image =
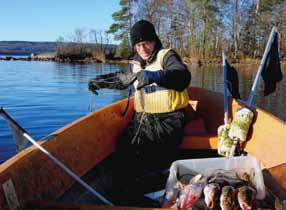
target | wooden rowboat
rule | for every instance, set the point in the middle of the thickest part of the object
(85, 145)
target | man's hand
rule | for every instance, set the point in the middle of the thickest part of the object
(93, 87)
(120, 81)
(145, 77)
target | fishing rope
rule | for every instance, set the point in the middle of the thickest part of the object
(138, 129)
(128, 101)
(90, 102)
(141, 99)
(105, 80)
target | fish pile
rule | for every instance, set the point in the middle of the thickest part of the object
(222, 189)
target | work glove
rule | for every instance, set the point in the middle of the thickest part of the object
(145, 77)
(101, 81)
(115, 80)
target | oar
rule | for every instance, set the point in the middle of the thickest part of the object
(243, 117)
(9, 119)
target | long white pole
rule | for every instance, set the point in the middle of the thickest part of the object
(258, 74)
(55, 160)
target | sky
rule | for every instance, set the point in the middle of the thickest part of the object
(47, 20)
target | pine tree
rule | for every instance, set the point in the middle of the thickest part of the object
(121, 28)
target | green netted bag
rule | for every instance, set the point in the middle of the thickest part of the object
(224, 141)
(240, 124)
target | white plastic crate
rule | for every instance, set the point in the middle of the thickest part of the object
(207, 166)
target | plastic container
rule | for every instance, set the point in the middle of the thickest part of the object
(207, 166)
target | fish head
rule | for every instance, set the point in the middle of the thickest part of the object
(187, 202)
(246, 196)
(227, 197)
(191, 192)
(245, 206)
(211, 194)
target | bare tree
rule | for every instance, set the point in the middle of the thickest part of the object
(235, 28)
(100, 42)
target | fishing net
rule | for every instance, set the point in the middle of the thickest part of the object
(231, 135)
(224, 141)
(115, 80)
(240, 125)
(147, 134)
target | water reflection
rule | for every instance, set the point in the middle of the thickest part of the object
(44, 96)
(211, 77)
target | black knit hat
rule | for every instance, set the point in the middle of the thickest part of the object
(143, 31)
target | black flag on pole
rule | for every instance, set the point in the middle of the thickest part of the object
(17, 131)
(232, 80)
(271, 71)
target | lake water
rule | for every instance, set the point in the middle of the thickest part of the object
(44, 96)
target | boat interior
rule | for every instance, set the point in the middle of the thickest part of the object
(87, 147)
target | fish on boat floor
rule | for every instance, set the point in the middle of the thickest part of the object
(107, 179)
(128, 191)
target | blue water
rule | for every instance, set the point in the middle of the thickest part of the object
(44, 96)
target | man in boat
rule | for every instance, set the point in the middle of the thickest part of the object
(160, 97)
(157, 127)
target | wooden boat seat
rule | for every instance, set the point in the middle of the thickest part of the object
(202, 141)
(196, 134)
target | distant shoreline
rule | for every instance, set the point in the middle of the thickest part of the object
(51, 57)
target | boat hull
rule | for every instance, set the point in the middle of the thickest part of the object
(84, 143)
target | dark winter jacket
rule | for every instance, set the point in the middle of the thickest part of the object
(176, 75)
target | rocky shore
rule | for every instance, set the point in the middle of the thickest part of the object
(32, 57)
(52, 57)
(56, 59)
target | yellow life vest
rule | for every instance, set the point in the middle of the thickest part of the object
(156, 99)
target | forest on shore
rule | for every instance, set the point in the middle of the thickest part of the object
(197, 29)
(201, 29)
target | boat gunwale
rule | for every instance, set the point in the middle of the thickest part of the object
(209, 97)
